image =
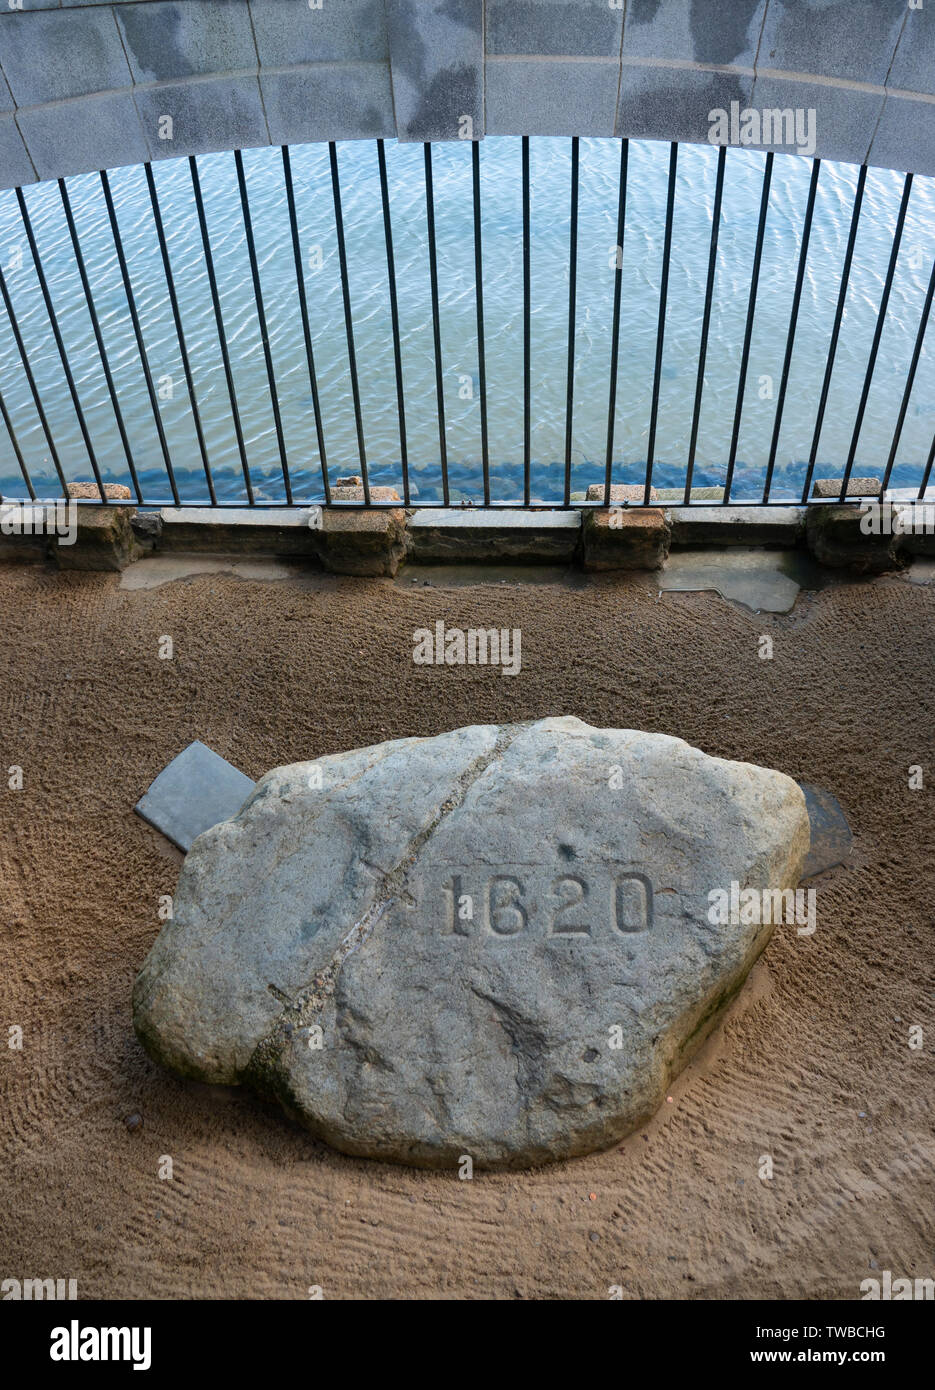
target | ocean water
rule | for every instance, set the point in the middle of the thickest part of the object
(500, 160)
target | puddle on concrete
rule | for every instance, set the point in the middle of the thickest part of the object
(766, 581)
(921, 572)
(163, 569)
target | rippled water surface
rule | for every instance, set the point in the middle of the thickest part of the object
(502, 250)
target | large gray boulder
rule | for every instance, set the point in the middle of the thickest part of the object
(497, 942)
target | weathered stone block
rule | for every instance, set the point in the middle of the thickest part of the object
(556, 27)
(834, 536)
(16, 167)
(339, 101)
(845, 117)
(48, 55)
(854, 41)
(215, 114)
(105, 541)
(197, 790)
(437, 62)
(287, 33)
(704, 31)
(733, 525)
(351, 489)
(185, 38)
(892, 149)
(856, 487)
(624, 539)
(115, 492)
(361, 542)
(92, 132)
(674, 103)
(621, 492)
(504, 941)
(555, 97)
(913, 67)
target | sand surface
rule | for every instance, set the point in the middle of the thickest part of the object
(812, 1066)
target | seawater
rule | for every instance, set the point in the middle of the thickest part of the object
(500, 160)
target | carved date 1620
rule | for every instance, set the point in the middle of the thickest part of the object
(536, 898)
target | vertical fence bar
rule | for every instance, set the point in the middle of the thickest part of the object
(179, 330)
(264, 331)
(835, 330)
(572, 297)
(661, 325)
(138, 332)
(31, 380)
(527, 314)
(793, 320)
(394, 315)
(615, 330)
(16, 449)
(928, 471)
(59, 342)
(348, 321)
(748, 329)
(303, 308)
(219, 320)
(479, 294)
(877, 334)
(436, 328)
(705, 320)
(916, 354)
(99, 337)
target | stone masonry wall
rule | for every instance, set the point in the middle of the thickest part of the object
(87, 84)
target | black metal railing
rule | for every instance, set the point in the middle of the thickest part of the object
(155, 494)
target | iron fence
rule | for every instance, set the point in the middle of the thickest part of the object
(155, 496)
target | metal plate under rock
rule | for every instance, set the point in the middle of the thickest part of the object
(196, 790)
(831, 835)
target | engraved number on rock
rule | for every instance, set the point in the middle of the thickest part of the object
(633, 903)
(455, 893)
(572, 891)
(508, 901)
(505, 912)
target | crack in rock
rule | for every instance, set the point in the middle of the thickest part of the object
(307, 1006)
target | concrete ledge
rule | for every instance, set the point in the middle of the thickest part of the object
(737, 525)
(21, 546)
(491, 533)
(255, 530)
(354, 540)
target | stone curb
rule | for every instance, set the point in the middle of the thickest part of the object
(347, 539)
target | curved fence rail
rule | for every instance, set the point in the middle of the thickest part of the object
(125, 341)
